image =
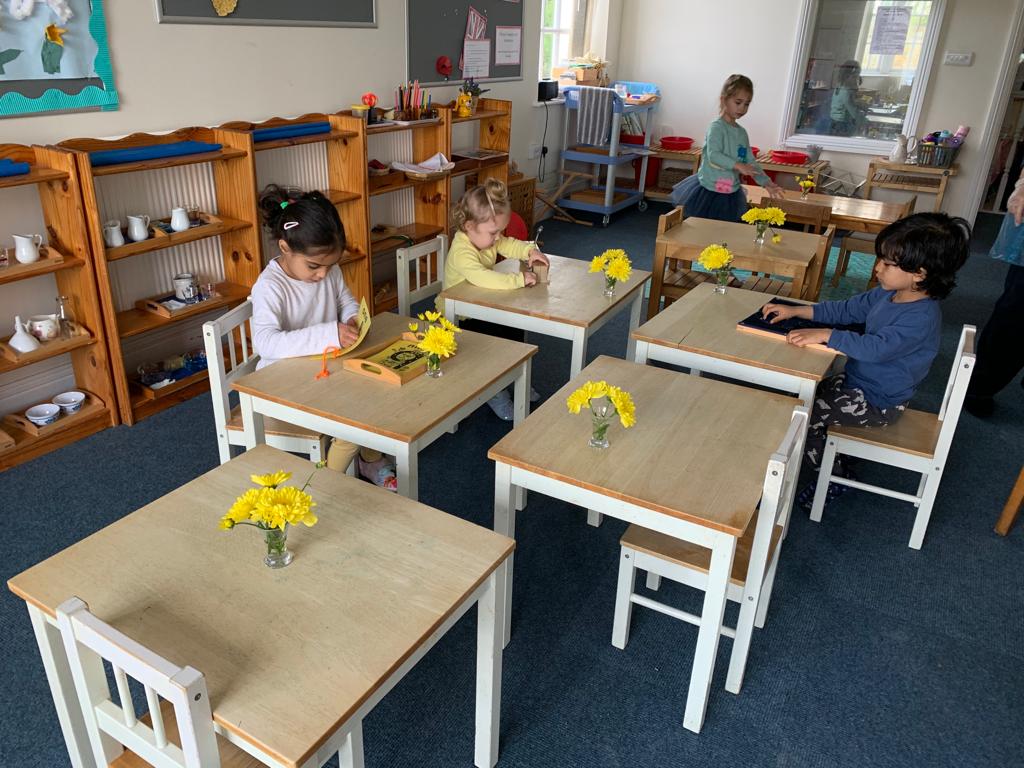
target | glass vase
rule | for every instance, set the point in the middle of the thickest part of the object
(278, 555)
(722, 279)
(602, 412)
(804, 192)
(762, 227)
(609, 286)
(434, 366)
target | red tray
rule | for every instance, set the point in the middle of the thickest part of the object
(789, 158)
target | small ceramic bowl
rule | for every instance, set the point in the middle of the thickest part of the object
(43, 414)
(69, 402)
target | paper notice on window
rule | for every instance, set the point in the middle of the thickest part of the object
(508, 42)
(476, 58)
(891, 25)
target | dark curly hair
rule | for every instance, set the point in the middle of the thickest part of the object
(307, 221)
(934, 242)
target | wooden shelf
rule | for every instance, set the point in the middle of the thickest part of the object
(311, 138)
(27, 446)
(482, 114)
(400, 237)
(403, 184)
(160, 240)
(338, 197)
(143, 406)
(132, 322)
(10, 360)
(34, 176)
(375, 129)
(19, 271)
(225, 153)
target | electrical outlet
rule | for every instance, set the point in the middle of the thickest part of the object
(958, 59)
(534, 151)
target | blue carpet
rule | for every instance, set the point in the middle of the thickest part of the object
(873, 654)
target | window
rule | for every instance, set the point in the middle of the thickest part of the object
(564, 32)
(862, 68)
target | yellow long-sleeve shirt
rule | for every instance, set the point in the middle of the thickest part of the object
(466, 262)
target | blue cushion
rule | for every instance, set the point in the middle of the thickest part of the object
(153, 152)
(290, 131)
(10, 168)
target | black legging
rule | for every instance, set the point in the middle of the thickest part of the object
(1000, 349)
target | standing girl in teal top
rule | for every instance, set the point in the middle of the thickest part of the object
(714, 192)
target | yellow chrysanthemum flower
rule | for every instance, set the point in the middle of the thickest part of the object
(775, 216)
(776, 238)
(414, 327)
(598, 263)
(271, 480)
(581, 397)
(753, 215)
(448, 325)
(438, 341)
(624, 406)
(279, 506)
(432, 317)
(619, 269)
(714, 257)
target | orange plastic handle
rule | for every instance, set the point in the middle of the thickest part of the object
(333, 352)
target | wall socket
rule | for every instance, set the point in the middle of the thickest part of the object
(958, 59)
(534, 151)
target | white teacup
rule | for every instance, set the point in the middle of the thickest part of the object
(26, 248)
(185, 287)
(138, 227)
(44, 327)
(112, 234)
(179, 220)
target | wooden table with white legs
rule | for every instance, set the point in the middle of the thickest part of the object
(397, 420)
(692, 467)
(294, 659)
(698, 331)
(571, 306)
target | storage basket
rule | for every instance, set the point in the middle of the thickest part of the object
(669, 177)
(936, 155)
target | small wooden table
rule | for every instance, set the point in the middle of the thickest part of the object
(791, 258)
(571, 306)
(870, 216)
(699, 332)
(397, 420)
(692, 467)
(909, 177)
(294, 659)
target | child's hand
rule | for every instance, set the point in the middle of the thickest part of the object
(745, 168)
(806, 336)
(536, 257)
(347, 333)
(774, 191)
(776, 312)
(529, 278)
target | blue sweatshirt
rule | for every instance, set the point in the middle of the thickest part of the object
(891, 358)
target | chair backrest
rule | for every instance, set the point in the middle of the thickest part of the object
(517, 227)
(815, 217)
(908, 207)
(670, 220)
(88, 641)
(229, 355)
(420, 271)
(956, 389)
(816, 270)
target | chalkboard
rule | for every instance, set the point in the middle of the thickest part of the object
(293, 13)
(439, 28)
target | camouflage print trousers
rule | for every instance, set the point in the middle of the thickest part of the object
(834, 403)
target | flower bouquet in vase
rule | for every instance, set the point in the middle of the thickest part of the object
(717, 260)
(764, 219)
(605, 402)
(616, 267)
(806, 184)
(437, 339)
(272, 507)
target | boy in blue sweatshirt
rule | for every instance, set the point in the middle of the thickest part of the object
(918, 258)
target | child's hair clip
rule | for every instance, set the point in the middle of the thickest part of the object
(285, 204)
(290, 225)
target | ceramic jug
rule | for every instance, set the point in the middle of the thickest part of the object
(26, 248)
(138, 227)
(22, 340)
(903, 148)
(44, 327)
(179, 220)
(112, 235)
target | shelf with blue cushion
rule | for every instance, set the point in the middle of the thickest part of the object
(32, 175)
(148, 157)
(272, 136)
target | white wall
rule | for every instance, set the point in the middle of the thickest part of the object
(680, 45)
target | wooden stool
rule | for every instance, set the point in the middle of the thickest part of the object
(1013, 505)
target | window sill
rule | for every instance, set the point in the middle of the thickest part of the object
(556, 102)
(840, 144)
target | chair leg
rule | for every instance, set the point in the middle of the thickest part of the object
(766, 594)
(741, 643)
(924, 509)
(1013, 506)
(842, 261)
(623, 592)
(824, 476)
(653, 581)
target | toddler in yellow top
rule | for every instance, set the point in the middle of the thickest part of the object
(480, 217)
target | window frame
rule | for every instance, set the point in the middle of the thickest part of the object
(560, 32)
(794, 92)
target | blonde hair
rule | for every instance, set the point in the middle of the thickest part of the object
(733, 85)
(480, 204)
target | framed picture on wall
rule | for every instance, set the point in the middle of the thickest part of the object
(293, 13)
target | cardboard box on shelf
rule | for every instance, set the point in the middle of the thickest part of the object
(577, 75)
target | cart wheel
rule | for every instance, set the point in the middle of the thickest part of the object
(605, 219)
(641, 206)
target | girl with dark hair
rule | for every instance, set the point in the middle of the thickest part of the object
(300, 303)
(918, 260)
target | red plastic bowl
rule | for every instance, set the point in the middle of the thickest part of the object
(789, 158)
(678, 143)
(756, 151)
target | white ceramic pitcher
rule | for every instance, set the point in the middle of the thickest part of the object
(26, 248)
(902, 149)
(22, 340)
(138, 227)
(179, 220)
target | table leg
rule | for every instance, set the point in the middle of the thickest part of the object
(490, 614)
(62, 688)
(798, 284)
(505, 524)
(641, 352)
(449, 310)
(252, 422)
(634, 323)
(579, 351)
(351, 753)
(407, 463)
(594, 518)
(722, 550)
(806, 391)
(657, 278)
(520, 410)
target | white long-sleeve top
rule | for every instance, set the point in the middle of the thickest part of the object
(292, 318)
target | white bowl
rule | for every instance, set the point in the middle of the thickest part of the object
(43, 414)
(70, 402)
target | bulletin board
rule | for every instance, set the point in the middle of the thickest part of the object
(54, 57)
(279, 13)
(439, 29)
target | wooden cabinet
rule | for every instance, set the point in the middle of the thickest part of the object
(225, 251)
(885, 174)
(69, 259)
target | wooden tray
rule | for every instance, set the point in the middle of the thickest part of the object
(386, 180)
(426, 176)
(46, 348)
(6, 441)
(154, 305)
(48, 259)
(90, 407)
(155, 394)
(378, 363)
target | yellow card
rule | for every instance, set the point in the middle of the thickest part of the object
(362, 324)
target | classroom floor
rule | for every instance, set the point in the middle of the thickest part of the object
(873, 654)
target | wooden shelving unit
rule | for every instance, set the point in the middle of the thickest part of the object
(54, 175)
(494, 117)
(235, 222)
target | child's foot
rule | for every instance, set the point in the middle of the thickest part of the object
(502, 405)
(380, 472)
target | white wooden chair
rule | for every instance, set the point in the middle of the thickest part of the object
(753, 569)
(177, 732)
(918, 441)
(420, 271)
(229, 355)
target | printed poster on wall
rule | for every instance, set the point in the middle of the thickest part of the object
(891, 26)
(508, 42)
(476, 58)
